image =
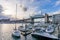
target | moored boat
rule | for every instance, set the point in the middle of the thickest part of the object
(40, 34)
(16, 33)
(50, 29)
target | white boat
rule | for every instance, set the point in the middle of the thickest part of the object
(50, 29)
(16, 34)
(42, 35)
(25, 30)
(22, 28)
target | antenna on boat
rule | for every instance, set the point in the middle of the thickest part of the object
(15, 16)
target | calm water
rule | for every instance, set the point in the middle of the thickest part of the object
(6, 32)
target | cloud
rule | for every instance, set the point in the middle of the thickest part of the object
(1, 10)
(56, 12)
(2, 16)
(33, 7)
(57, 3)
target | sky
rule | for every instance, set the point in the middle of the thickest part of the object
(34, 7)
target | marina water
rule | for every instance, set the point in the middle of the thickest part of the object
(6, 32)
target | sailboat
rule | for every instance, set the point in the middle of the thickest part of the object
(16, 32)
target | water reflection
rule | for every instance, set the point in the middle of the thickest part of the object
(6, 31)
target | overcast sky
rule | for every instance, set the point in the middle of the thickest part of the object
(33, 7)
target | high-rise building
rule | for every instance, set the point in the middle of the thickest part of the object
(56, 18)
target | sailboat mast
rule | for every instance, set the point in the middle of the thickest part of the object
(16, 16)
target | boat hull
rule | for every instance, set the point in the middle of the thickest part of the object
(15, 36)
(25, 34)
(42, 37)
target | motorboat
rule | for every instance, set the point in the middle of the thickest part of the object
(25, 30)
(22, 29)
(25, 33)
(44, 36)
(40, 34)
(50, 29)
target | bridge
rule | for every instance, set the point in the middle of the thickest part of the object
(28, 20)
